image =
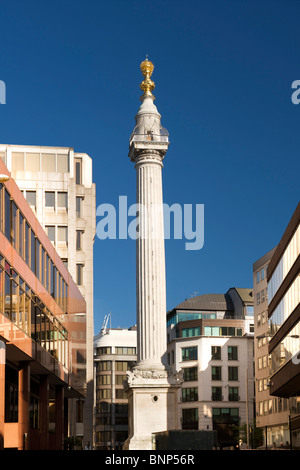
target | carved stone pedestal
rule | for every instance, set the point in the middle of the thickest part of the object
(152, 401)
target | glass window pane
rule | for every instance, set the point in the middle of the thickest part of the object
(21, 235)
(78, 171)
(27, 243)
(14, 225)
(32, 162)
(32, 251)
(79, 268)
(79, 207)
(31, 198)
(7, 215)
(62, 234)
(50, 199)
(62, 200)
(17, 161)
(50, 231)
(63, 163)
(48, 162)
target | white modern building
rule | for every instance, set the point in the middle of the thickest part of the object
(210, 339)
(58, 185)
(114, 354)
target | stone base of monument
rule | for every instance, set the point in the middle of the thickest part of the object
(152, 406)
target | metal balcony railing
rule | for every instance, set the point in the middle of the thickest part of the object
(149, 136)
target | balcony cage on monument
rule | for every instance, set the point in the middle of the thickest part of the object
(139, 135)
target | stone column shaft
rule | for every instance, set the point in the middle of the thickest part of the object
(151, 282)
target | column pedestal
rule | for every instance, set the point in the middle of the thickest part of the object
(152, 406)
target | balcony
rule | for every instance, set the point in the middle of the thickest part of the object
(139, 135)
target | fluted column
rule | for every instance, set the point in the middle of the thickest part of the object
(151, 279)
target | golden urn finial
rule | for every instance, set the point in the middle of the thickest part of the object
(147, 84)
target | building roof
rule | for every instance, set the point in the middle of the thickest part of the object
(216, 302)
(245, 294)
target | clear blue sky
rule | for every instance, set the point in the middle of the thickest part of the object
(223, 75)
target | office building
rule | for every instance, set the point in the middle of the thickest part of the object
(114, 354)
(210, 339)
(272, 413)
(284, 322)
(42, 332)
(57, 184)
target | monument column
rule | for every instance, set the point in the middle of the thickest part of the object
(152, 386)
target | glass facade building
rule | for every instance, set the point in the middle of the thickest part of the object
(42, 331)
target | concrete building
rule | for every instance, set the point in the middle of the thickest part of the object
(284, 322)
(57, 184)
(42, 332)
(210, 339)
(114, 354)
(272, 413)
(151, 386)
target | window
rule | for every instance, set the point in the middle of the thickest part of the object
(222, 331)
(190, 418)
(120, 393)
(103, 365)
(104, 379)
(62, 200)
(79, 274)
(124, 350)
(233, 373)
(11, 395)
(190, 373)
(233, 393)
(190, 394)
(79, 203)
(62, 163)
(225, 415)
(50, 231)
(121, 365)
(50, 199)
(78, 173)
(21, 235)
(7, 214)
(103, 350)
(232, 353)
(216, 373)
(48, 162)
(62, 234)
(32, 251)
(17, 161)
(104, 393)
(216, 353)
(27, 242)
(120, 379)
(31, 198)
(79, 411)
(250, 310)
(79, 239)
(189, 354)
(14, 225)
(189, 332)
(32, 162)
(216, 393)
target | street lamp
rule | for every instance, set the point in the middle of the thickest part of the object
(3, 178)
